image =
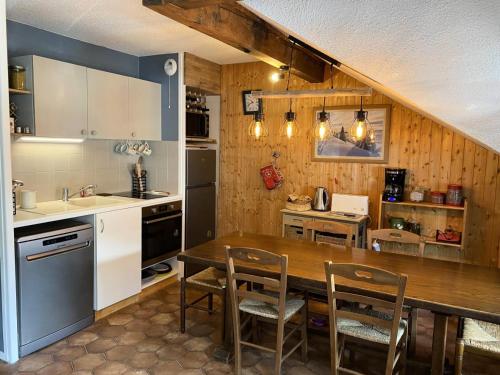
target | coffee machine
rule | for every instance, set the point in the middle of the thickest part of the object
(394, 184)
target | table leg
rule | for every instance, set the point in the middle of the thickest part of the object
(224, 352)
(439, 343)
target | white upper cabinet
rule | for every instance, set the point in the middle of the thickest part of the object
(72, 101)
(144, 109)
(108, 103)
(60, 98)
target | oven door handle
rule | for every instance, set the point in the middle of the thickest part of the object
(147, 222)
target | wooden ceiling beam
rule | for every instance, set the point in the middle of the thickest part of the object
(192, 4)
(235, 25)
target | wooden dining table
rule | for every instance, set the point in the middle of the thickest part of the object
(444, 288)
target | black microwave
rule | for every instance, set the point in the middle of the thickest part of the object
(197, 125)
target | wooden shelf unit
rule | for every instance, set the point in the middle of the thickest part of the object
(431, 217)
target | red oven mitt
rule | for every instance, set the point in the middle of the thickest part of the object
(272, 177)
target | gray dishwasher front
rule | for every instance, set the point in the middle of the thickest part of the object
(55, 267)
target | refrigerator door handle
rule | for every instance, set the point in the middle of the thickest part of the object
(199, 186)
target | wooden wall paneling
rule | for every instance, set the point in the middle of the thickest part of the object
(201, 73)
(467, 182)
(424, 154)
(435, 159)
(445, 159)
(394, 136)
(457, 159)
(477, 222)
(489, 256)
(434, 156)
(414, 150)
(496, 223)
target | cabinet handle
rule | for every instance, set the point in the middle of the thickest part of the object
(102, 225)
(93, 132)
(133, 134)
(84, 132)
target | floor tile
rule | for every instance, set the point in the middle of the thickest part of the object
(144, 339)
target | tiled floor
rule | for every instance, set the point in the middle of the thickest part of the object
(144, 339)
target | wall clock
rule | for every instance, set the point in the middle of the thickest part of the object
(251, 104)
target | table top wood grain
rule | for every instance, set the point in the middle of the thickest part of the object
(445, 287)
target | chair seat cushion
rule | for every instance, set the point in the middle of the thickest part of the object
(267, 310)
(209, 277)
(482, 335)
(369, 332)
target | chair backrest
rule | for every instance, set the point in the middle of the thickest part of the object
(247, 259)
(328, 227)
(396, 235)
(364, 274)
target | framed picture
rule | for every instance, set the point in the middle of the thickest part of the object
(342, 146)
(251, 104)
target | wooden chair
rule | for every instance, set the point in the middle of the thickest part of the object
(387, 329)
(269, 305)
(310, 227)
(477, 337)
(402, 237)
(396, 235)
(209, 281)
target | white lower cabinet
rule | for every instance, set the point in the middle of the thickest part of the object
(118, 256)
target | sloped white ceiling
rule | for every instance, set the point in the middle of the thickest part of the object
(442, 55)
(123, 25)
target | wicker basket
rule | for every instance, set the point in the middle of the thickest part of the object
(298, 206)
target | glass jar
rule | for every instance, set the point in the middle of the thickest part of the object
(454, 195)
(437, 197)
(17, 77)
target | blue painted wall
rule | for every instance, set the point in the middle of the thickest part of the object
(151, 69)
(27, 40)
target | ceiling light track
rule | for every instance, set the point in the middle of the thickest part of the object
(314, 51)
(284, 94)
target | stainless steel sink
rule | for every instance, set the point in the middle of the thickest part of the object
(93, 201)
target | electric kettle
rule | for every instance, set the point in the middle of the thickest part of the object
(321, 199)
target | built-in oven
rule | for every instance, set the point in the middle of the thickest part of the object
(197, 125)
(161, 232)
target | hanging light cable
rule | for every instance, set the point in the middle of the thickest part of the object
(289, 128)
(322, 129)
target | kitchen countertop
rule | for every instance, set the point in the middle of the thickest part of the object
(59, 210)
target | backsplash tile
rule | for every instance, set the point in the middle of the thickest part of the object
(47, 168)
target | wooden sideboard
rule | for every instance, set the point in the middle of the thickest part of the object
(293, 222)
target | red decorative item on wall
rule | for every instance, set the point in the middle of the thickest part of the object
(271, 174)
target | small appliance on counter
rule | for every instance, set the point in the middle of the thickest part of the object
(321, 199)
(349, 204)
(394, 184)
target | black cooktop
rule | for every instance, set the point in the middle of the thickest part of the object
(131, 194)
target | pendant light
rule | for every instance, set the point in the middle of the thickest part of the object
(323, 129)
(257, 128)
(361, 129)
(289, 128)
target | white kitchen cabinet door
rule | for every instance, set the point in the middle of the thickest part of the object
(144, 110)
(107, 105)
(60, 98)
(118, 256)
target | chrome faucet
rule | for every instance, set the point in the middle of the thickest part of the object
(85, 191)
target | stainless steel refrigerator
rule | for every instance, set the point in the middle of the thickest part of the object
(200, 196)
